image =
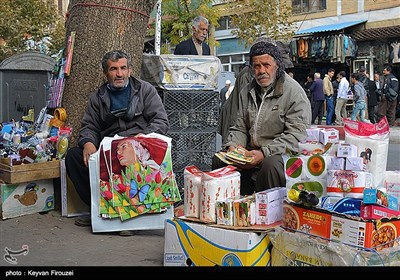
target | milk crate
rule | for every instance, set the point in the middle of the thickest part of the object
(193, 148)
(190, 110)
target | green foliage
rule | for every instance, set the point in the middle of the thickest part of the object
(35, 19)
(254, 18)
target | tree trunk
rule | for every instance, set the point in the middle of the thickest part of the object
(100, 26)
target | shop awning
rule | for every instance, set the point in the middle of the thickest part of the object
(330, 27)
(377, 33)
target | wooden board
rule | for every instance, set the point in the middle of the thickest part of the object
(13, 174)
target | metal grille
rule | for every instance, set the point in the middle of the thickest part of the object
(192, 110)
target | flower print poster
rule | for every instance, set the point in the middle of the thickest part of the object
(136, 177)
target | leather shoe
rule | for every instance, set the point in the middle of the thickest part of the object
(84, 221)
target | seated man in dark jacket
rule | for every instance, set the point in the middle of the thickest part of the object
(123, 106)
(195, 45)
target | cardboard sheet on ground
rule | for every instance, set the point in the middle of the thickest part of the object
(132, 195)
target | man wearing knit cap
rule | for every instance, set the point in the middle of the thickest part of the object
(273, 115)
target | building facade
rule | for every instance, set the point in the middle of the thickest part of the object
(371, 26)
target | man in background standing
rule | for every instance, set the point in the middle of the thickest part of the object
(341, 100)
(196, 44)
(375, 88)
(318, 98)
(223, 93)
(328, 91)
(390, 89)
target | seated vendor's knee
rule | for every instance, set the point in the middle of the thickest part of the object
(271, 174)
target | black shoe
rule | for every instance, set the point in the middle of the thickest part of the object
(84, 221)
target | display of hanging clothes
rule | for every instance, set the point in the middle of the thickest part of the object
(331, 48)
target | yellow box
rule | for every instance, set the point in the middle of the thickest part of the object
(196, 244)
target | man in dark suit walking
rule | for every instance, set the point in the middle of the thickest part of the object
(195, 45)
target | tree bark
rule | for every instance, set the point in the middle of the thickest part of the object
(100, 26)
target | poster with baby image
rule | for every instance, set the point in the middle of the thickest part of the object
(136, 177)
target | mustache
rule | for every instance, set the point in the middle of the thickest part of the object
(262, 76)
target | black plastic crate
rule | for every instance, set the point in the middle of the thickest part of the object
(192, 148)
(192, 110)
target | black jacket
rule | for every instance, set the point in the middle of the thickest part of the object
(146, 114)
(373, 94)
(187, 47)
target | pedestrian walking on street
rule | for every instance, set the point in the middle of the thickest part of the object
(359, 98)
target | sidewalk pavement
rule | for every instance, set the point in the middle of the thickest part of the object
(394, 133)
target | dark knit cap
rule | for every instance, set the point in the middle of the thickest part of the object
(261, 48)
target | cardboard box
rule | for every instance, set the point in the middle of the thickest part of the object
(377, 234)
(354, 163)
(313, 134)
(375, 196)
(346, 150)
(335, 163)
(71, 203)
(26, 198)
(311, 221)
(377, 212)
(181, 71)
(13, 174)
(328, 135)
(300, 249)
(269, 206)
(195, 244)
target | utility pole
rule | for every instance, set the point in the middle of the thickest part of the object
(157, 41)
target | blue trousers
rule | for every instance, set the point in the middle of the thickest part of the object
(329, 109)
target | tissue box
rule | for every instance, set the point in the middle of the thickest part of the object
(313, 134)
(346, 150)
(335, 163)
(328, 135)
(269, 206)
(355, 163)
(375, 196)
(343, 205)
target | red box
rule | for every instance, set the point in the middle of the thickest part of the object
(311, 221)
(377, 212)
(378, 234)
